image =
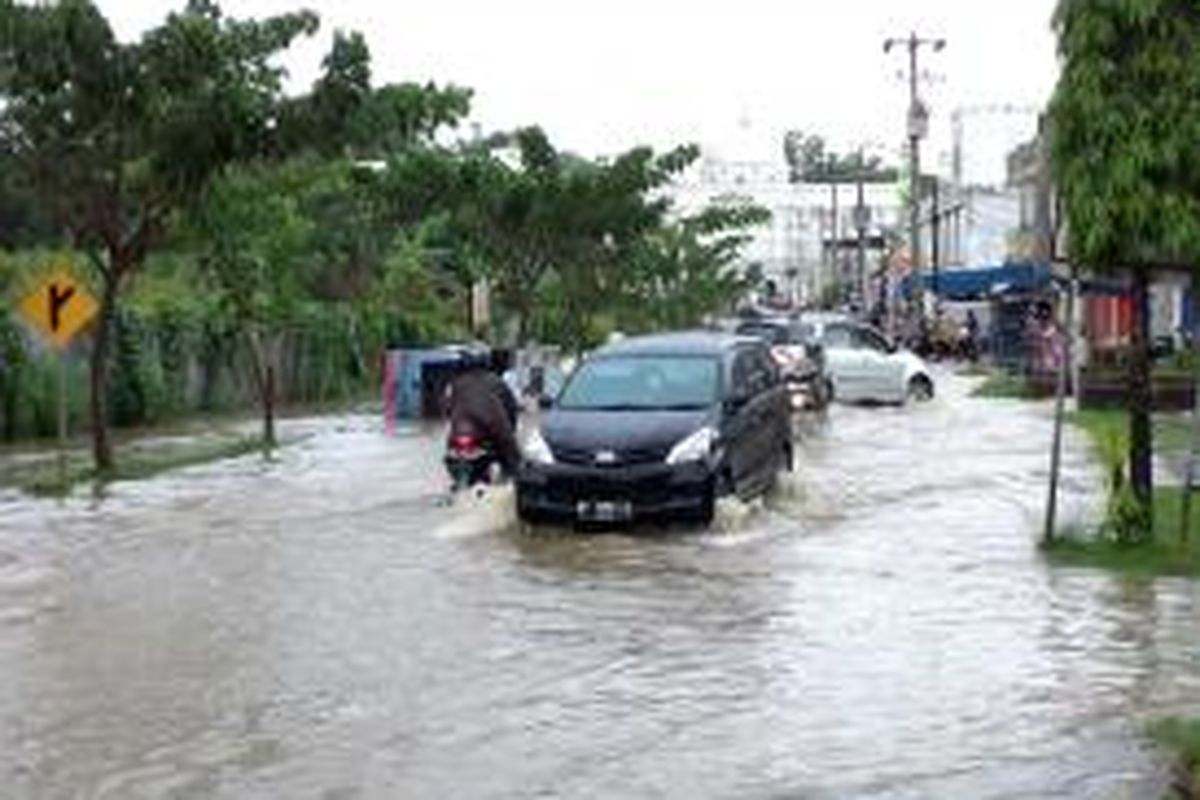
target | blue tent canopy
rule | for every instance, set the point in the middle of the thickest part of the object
(968, 284)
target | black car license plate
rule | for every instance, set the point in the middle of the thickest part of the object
(604, 511)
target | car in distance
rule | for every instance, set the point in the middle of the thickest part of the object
(865, 366)
(658, 427)
(801, 358)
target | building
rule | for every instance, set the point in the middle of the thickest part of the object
(970, 227)
(809, 248)
(1029, 177)
(1106, 314)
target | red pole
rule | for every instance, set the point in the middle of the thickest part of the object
(389, 392)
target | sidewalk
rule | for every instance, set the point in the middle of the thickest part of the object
(33, 467)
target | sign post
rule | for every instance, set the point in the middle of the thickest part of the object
(59, 308)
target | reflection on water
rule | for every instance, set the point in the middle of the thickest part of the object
(323, 627)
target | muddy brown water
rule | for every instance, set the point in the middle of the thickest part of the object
(321, 628)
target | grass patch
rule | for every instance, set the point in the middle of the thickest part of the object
(1000, 384)
(976, 370)
(1147, 560)
(1181, 737)
(1164, 551)
(1165, 554)
(1172, 434)
(44, 478)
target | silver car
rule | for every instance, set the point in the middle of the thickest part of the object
(865, 366)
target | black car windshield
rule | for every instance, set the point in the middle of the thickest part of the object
(643, 383)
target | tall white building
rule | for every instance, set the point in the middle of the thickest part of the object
(796, 247)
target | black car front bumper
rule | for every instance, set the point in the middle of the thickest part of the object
(570, 493)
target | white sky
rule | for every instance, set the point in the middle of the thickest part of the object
(604, 76)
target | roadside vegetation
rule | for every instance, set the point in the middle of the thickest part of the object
(273, 259)
(1131, 543)
(41, 473)
(1001, 384)
(1181, 737)
(1125, 107)
(1127, 540)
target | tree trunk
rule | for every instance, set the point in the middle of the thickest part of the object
(264, 381)
(269, 408)
(522, 325)
(1141, 400)
(9, 377)
(102, 451)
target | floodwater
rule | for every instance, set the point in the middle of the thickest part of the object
(322, 628)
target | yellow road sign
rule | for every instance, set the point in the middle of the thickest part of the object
(60, 307)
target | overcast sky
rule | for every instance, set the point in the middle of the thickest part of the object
(604, 75)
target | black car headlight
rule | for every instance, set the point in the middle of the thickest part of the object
(536, 450)
(696, 447)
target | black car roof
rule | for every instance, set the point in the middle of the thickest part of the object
(692, 343)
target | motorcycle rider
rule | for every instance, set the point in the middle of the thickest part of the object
(480, 401)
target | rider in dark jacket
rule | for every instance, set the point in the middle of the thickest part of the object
(479, 401)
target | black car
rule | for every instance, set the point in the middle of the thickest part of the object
(658, 427)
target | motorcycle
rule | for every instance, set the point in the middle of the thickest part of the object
(470, 461)
(803, 370)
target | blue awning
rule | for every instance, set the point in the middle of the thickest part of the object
(975, 284)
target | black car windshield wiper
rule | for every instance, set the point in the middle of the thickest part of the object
(615, 407)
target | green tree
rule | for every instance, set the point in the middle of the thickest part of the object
(345, 115)
(118, 137)
(257, 248)
(1125, 119)
(560, 233)
(413, 300)
(687, 269)
(341, 92)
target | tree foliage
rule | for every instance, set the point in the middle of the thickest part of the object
(345, 115)
(1124, 122)
(687, 270)
(1126, 119)
(567, 241)
(177, 161)
(117, 137)
(256, 246)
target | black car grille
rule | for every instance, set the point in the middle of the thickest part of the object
(586, 457)
(616, 485)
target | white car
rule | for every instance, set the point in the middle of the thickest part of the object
(865, 367)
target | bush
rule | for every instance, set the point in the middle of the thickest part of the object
(176, 350)
(1126, 521)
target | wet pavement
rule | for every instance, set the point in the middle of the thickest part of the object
(321, 628)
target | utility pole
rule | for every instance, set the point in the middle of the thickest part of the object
(836, 272)
(935, 249)
(956, 233)
(918, 127)
(860, 222)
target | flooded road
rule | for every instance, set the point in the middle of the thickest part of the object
(320, 628)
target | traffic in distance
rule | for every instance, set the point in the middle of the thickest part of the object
(662, 427)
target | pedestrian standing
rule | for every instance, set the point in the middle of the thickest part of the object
(972, 335)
